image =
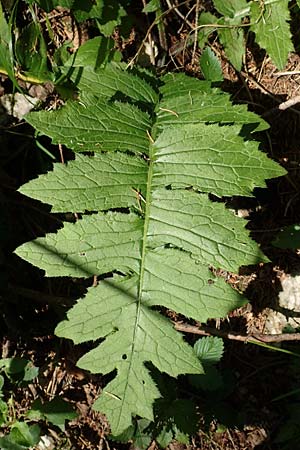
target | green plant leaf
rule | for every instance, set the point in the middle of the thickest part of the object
(6, 47)
(206, 23)
(198, 102)
(93, 53)
(232, 38)
(230, 7)
(21, 436)
(115, 126)
(165, 437)
(30, 372)
(88, 9)
(24, 434)
(141, 438)
(209, 349)
(31, 52)
(1, 384)
(289, 237)
(18, 369)
(111, 80)
(152, 6)
(230, 33)
(92, 183)
(139, 433)
(158, 154)
(268, 20)
(82, 10)
(210, 66)
(271, 28)
(7, 443)
(176, 420)
(127, 347)
(113, 14)
(108, 14)
(57, 411)
(3, 412)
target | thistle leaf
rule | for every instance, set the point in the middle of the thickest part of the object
(160, 163)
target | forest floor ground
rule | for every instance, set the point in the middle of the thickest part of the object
(261, 374)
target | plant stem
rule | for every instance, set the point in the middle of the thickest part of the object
(22, 77)
(232, 335)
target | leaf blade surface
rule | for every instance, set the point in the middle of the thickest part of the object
(269, 23)
(94, 125)
(91, 183)
(159, 250)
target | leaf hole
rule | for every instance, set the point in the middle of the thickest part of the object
(124, 356)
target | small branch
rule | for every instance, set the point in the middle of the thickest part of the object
(281, 105)
(150, 50)
(61, 153)
(26, 78)
(287, 73)
(257, 337)
(179, 14)
(155, 22)
(196, 32)
(291, 102)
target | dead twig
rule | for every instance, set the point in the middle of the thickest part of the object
(287, 73)
(234, 336)
(61, 153)
(291, 102)
(155, 22)
(179, 14)
(196, 32)
(281, 105)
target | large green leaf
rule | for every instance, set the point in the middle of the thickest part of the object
(160, 166)
(269, 23)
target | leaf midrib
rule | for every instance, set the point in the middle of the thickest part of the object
(142, 266)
